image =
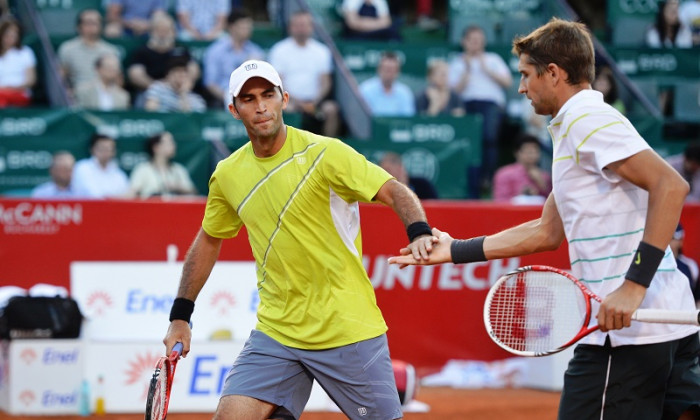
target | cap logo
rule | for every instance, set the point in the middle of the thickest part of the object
(251, 66)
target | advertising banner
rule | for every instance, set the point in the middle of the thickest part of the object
(131, 301)
(45, 376)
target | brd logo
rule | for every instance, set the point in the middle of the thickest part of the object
(22, 126)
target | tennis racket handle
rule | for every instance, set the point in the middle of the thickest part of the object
(667, 317)
(177, 348)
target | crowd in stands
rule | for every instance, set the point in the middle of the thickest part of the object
(162, 75)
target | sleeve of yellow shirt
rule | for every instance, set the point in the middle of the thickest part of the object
(220, 219)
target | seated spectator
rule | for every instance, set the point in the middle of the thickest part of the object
(202, 21)
(689, 14)
(174, 93)
(606, 84)
(228, 53)
(686, 265)
(688, 165)
(160, 176)
(385, 95)
(61, 172)
(438, 98)
(17, 66)
(105, 92)
(149, 62)
(77, 56)
(392, 163)
(369, 20)
(309, 86)
(668, 31)
(132, 17)
(523, 181)
(481, 78)
(99, 176)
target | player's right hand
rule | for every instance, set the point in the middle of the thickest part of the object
(178, 331)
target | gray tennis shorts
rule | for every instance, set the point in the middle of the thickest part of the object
(358, 377)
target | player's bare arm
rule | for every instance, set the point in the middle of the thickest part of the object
(543, 234)
(667, 191)
(199, 262)
(407, 206)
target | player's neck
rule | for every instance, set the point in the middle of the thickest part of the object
(265, 147)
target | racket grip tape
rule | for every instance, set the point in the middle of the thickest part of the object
(178, 348)
(667, 317)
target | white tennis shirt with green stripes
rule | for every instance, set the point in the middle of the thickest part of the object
(300, 209)
(604, 215)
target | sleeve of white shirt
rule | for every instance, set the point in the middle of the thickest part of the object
(455, 72)
(326, 64)
(601, 139)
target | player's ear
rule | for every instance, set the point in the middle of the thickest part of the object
(285, 99)
(232, 109)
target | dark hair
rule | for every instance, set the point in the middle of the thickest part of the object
(611, 95)
(79, 16)
(662, 26)
(152, 142)
(97, 137)
(175, 62)
(524, 139)
(566, 44)
(692, 152)
(236, 15)
(5, 25)
(389, 55)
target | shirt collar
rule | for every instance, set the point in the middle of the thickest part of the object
(581, 96)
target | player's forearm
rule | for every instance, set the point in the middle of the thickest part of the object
(404, 202)
(199, 262)
(666, 200)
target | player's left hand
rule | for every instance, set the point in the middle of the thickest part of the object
(617, 308)
(421, 247)
(438, 252)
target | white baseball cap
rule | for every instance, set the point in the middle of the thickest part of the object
(249, 69)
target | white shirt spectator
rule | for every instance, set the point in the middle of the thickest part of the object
(14, 64)
(300, 67)
(684, 38)
(481, 86)
(92, 180)
(354, 5)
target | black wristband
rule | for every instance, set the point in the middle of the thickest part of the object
(417, 229)
(644, 264)
(468, 250)
(182, 309)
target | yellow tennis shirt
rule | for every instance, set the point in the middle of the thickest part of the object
(300, 208)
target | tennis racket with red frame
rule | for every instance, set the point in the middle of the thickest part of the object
(161, 384)
(539, 310)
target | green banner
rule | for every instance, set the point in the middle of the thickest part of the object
(645, 9)
(671, 62)
(443, 150)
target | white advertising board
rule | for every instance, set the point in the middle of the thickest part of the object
(44, 376)
(130, 301)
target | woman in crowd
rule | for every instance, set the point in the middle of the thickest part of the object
(17, 66)
(160, 176)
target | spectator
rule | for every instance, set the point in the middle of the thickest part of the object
(392, 163)
(688, 165)
(61, 172)
(686, 265)
(606, 84)
(385, 95)
(99, 176)
(104, 93)
(202, 21)
(132, 17)
(689, 14)
(78, 55)
(228, 53)
(306, 68)
(668, 31)
(523, 181)
(368, 19)
(160, 176)
(480, 78)
(438, 98)
(149, 62)
(17, 66)
(174, 93)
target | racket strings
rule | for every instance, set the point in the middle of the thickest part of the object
(536, 312)
(160, 394)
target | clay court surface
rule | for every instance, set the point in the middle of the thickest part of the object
(445, 404)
